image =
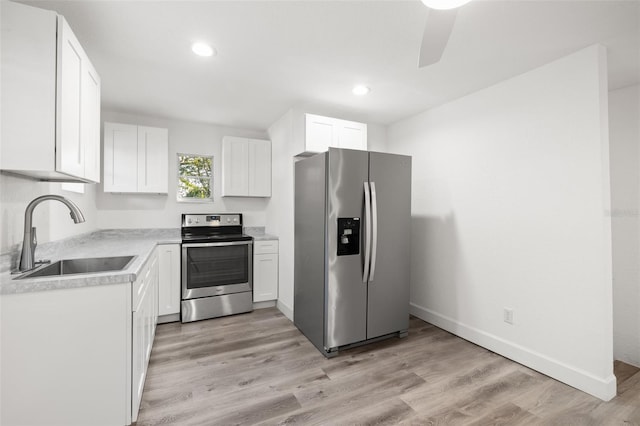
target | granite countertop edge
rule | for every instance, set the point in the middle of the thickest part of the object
(103, 243)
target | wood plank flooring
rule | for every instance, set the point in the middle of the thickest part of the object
(259, 369)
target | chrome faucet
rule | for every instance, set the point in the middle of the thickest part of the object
(30, 241)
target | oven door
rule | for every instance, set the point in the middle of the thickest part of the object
(214, 269)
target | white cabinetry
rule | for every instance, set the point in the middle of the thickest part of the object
(265, 270)
(136, 158)
(50, 98)
(69, 350)
(169, 280)
(144, 319)
(246, 167)
(324, 132)
(80, 354)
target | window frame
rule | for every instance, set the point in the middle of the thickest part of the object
(181, 199)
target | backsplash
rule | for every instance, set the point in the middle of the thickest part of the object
(51, 219)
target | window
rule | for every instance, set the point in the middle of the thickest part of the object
(195, 177)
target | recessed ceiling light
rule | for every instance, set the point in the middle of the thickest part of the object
(202, 49)
(360, 90)
(444, 4)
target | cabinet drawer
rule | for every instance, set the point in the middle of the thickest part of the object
(265, 247)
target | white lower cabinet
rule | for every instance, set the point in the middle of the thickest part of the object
(265, 270)
(144, 320)
(169, 280)
(77, 356)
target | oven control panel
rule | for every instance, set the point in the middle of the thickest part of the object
(227, 219)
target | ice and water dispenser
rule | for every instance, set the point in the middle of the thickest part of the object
(348, 236)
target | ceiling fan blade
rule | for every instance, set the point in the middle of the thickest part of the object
(436, 35)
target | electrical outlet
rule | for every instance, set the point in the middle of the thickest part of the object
(508, 315)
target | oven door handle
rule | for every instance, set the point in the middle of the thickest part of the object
(228, 243)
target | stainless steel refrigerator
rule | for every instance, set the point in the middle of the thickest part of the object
(352, 247)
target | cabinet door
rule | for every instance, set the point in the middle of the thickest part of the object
(152, 309)
(265, 277)
(235, 173)
(153, 159)
(259, 168)
(28, 81)
(138, 355)
(169, 279)
(319, 133)
(120, 157)
(69, 152)
(351, 135)
(90, 121)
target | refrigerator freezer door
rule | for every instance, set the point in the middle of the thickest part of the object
(346, 297)
(310, 266)
(388, 296)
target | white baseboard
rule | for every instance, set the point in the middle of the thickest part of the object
(285, 309)
(265, 304)
(163, 319)
(603, 388)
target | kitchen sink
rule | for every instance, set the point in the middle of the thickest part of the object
(81, 266)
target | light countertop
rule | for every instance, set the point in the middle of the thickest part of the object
(105, 243)
(258, 234)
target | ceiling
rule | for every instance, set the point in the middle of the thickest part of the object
(273, 55)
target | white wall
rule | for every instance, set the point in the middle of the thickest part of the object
(51, 218)
(510, 185)
(280, 209)
(163, 211)
(286, 136)
(624, 131)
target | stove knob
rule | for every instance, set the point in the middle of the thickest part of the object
(235, 219)
(197, 220)
(189, 221)
(228, 219)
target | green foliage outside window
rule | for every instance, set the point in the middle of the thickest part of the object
(195, 177)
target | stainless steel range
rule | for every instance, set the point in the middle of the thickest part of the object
(217, 266)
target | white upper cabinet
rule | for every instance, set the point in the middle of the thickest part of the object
(235, 166)
(50, 98)
(321, 133)
(259, 158)
(91, 123)
(246, 167)
(136, 158)
(153, 159)
(120, 157)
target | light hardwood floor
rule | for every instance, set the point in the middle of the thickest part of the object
(259, 369)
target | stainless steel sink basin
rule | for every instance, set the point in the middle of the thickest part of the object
(81, 266)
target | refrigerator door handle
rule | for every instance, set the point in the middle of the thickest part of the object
(367, 232)
(374, 226)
